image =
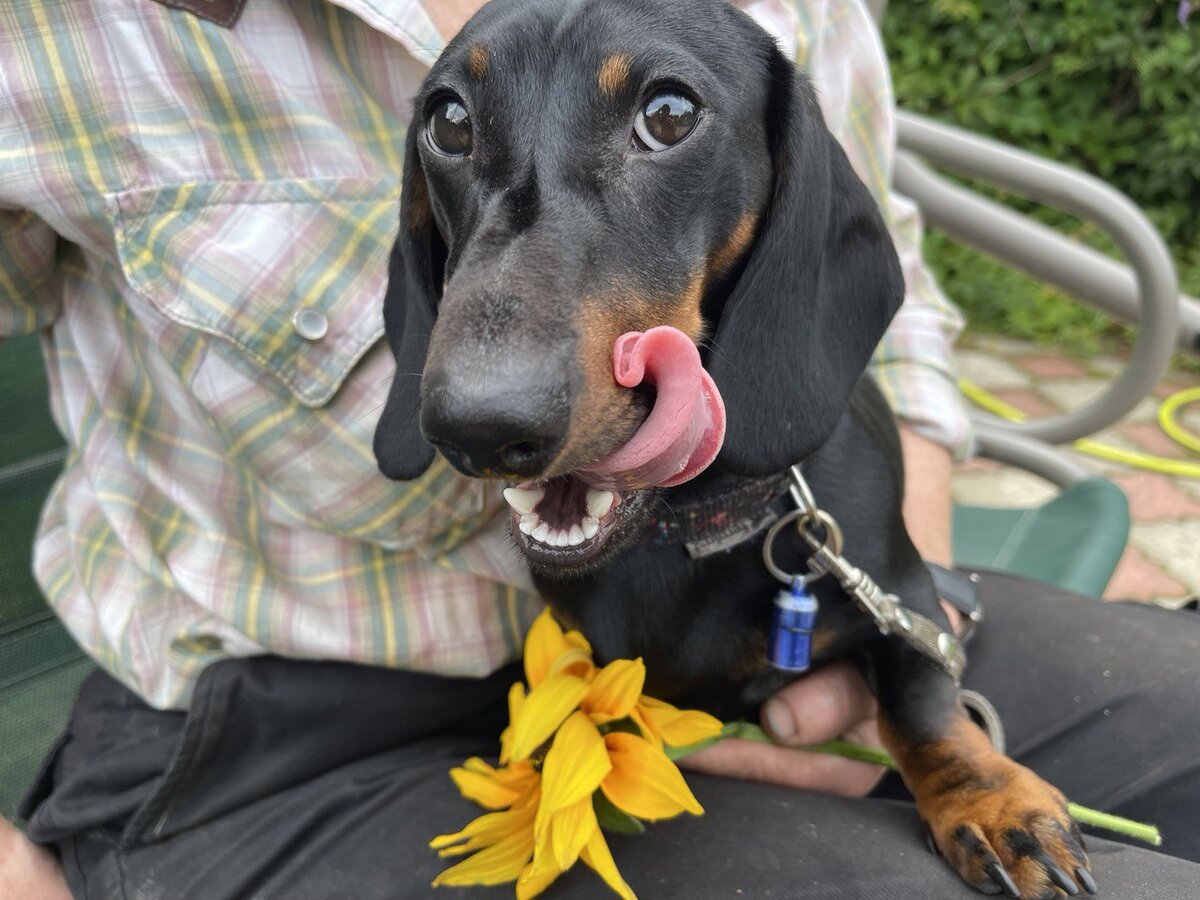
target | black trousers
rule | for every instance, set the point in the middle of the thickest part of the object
(298, 780)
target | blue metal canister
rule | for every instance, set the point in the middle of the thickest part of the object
(795, 616)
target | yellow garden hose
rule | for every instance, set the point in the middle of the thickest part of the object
(1133, 458)
(1168, 423)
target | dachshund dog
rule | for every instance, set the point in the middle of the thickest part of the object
(578, 171)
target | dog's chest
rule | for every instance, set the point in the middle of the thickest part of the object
(698, 625)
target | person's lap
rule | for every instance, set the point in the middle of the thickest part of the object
(316, 780)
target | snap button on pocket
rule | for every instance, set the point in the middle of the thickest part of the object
(311, 324)
(243, 261)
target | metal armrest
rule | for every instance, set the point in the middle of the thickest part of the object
(1048, 256)
(1029, 454)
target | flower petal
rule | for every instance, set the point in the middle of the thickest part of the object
(497, 864)
(516, 701)
(649, 730)
(643, 782)
(543, 645)
(575, 765)
(615, 690)
(494, 788)
(536, 878)
(543, 711)
(575, 662)
(488, 829)
(597, 855)
(572, 829)
(514, 774)
(576, 639)
(678, 727)
(544, 869)
(485, 790)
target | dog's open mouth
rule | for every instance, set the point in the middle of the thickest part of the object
(565, 522)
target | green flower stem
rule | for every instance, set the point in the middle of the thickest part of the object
(1094, 818)
(1082, 814)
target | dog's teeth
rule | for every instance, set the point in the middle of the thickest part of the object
(590, 526)
(575, 535)
(599, 503)
(524, 500)
(562, 539)
(540, 533)
(528, 524)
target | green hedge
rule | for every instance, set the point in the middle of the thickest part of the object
(1110, 87)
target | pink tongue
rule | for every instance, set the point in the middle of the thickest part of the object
(686, 428)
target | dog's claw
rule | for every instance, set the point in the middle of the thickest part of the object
(1078, 835)
(930, 843)
(1062, 879)
(1086, 879)
(1000, 875)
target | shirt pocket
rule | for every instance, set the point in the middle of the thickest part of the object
(291, 273)
(266, 301)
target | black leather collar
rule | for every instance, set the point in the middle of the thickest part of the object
(722, 520)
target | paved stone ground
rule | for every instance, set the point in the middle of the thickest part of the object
(1162, 562)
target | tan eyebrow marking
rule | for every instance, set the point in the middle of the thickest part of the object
(743, 233)
(477, 61)
(420, 213)
(614, 73)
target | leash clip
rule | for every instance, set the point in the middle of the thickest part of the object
(889, 614)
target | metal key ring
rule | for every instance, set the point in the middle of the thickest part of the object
(801, 516)
(769, 542)
(834, 539)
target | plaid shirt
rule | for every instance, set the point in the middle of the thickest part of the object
(198, 219)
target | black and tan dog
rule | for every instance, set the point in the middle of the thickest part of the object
(579, 170)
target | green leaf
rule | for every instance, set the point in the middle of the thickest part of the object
(626, 725)
(613, 819)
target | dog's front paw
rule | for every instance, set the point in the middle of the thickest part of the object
(1005, 830)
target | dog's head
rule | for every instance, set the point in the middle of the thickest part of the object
(579, 170)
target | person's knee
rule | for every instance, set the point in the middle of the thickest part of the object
(27, 870)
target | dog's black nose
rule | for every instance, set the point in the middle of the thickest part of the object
(500, 424)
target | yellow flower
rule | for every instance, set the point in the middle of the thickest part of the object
(501, 841)
(568, 739)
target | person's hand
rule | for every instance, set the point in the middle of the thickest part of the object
(832, 702)
(27, 870)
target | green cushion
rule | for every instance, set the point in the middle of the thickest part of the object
(40, 664)
(28, 430)
(33, 712)
(1074, 541)
(22, 493)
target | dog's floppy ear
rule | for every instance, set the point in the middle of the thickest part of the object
(414, 288)
(818, 289)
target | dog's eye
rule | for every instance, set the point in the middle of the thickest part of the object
(665, 120)
(450, 128)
